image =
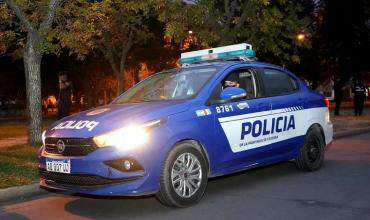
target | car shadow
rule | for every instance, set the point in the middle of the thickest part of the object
(148, 207)
(11, 215)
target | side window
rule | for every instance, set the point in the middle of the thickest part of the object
(244, 78)
(247, 81)
(278, 83)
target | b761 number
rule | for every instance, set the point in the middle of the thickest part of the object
(224, 108)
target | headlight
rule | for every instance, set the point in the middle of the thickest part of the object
(128, 137)
(43, 137)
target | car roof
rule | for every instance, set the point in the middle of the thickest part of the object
(231, 63)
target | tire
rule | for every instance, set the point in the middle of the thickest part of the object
(184, 176)
(311, 155)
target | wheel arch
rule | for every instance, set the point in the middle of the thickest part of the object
(199, 146)
(304, 160)
(320, 128)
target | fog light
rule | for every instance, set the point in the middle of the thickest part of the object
(127, 164)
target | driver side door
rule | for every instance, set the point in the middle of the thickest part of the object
(234, 123)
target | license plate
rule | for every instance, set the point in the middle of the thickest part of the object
(59, 166)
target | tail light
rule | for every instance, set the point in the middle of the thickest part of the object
(326, 102)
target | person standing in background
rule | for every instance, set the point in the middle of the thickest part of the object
(338, 95)
(359, 92)
(65, 95)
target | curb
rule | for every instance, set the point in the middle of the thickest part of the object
(21, 192)
(27, 191)
(358, 131)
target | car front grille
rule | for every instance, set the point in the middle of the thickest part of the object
(73, 146)
(82, 180)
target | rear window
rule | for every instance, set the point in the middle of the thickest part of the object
(278, 83)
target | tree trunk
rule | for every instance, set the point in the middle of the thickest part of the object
(108, 54)
(88, 95)
(122, 63)
(121, 83)
(32, 64)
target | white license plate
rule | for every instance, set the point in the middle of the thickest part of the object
(59, 166)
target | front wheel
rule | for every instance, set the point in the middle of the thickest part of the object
(184, 176)
(311, 155)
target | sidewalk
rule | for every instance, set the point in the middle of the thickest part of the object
(349, 104)
(346, 121)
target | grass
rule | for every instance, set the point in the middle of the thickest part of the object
(18, 165)
(18, 128)
(12, 130)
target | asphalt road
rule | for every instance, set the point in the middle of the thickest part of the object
(340, 190)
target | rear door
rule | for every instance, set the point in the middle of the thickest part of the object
(287, 111)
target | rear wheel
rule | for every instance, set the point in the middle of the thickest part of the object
(311, 156)
(184, 176)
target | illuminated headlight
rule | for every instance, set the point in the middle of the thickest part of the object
(130, 137)
(126, 138)
(43, 137)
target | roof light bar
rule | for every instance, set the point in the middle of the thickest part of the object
(218, 53)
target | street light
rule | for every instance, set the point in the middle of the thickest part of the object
(301, 37)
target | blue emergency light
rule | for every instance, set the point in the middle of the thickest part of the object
(219, 53)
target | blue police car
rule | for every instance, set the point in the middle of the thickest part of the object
(220, 113)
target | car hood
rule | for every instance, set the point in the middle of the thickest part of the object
(107, 118)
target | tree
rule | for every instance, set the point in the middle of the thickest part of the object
(340, 42)
(35, 23)
(157, 54)
(108, 27)
(345, 37)
(270, 26)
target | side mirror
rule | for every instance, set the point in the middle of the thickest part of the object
(232, 93)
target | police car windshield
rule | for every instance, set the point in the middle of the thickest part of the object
(169, 85)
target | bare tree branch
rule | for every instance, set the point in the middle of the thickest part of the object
(47, 21)
(242, 19)
(108, 51)
(21, 16)
(108, 54)
(125, 50)
(230, 13)
(227, 8)
(212, 19)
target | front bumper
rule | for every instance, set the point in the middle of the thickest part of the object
(129, 187)
(91, 174)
